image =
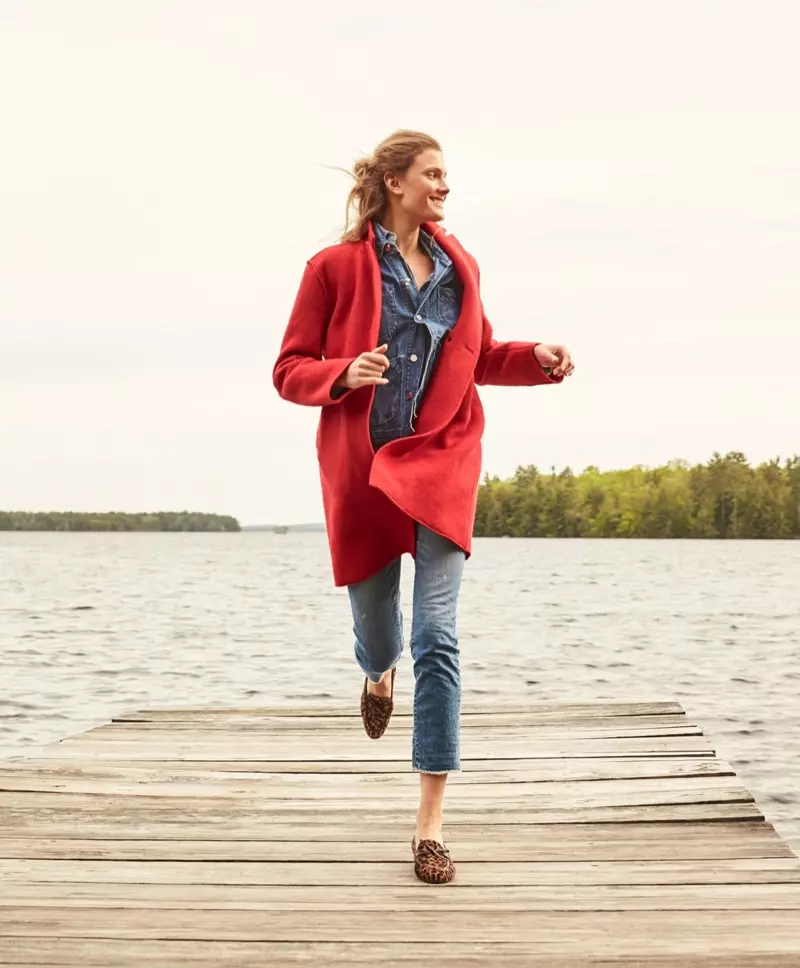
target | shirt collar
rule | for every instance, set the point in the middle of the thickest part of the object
(384, 237)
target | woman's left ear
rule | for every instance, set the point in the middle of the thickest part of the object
(391, 181)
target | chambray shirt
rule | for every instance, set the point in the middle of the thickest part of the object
(414, 322)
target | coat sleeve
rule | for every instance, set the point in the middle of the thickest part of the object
(509, 364)
(300, 374)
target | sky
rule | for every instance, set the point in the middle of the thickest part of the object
(627, 175)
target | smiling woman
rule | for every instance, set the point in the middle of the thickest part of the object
(389, 338)
(410, 157)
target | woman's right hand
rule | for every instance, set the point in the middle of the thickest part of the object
(366, 370)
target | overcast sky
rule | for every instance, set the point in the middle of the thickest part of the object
(627, 174)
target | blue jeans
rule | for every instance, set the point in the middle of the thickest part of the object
(378, 627)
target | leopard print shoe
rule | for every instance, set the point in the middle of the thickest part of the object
(432, 862)
(376, 711)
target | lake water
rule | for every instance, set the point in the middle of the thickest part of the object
(91, 624)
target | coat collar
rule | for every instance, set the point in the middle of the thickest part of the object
(452, 248)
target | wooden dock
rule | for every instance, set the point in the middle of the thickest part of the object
(584, 834)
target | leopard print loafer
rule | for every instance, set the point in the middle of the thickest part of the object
(432, 862)
(376, 711)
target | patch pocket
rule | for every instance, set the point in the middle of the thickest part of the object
(449, 304)
(386, 402)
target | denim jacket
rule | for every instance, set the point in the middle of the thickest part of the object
(414, 322)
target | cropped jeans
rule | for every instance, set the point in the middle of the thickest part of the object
(378, 627)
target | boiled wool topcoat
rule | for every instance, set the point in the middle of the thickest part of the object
(372, 500)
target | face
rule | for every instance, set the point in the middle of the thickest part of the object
(421, 191)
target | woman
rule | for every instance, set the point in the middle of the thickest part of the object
(388, 337)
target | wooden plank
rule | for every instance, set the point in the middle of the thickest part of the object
(260, 738)
(547, 723)
(470, 843)
(52, 776)
(307, 738)
(761, 870)
(560, 709)
(556, 793)
(360, 767)
(360, 746)
(214, 826)
(253, 828)
(386, 828)
(408, 897)
(137, 953)
(565, 932)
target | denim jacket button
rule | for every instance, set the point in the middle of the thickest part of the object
(413, 357)
(409, 395)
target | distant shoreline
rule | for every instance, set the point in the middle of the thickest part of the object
(285, 528)
(724, 498)
(146, 521)
(117, 521)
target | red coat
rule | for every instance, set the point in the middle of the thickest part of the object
(372, 499)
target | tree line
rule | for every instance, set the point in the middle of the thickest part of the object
(116, 521)
(724, 498)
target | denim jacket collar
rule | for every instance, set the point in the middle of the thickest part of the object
(384, 237)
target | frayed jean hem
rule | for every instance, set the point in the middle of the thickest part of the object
(380, 675)
(375, 682)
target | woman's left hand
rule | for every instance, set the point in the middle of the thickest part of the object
(557, 357)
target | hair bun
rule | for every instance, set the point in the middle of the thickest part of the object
(362, 168)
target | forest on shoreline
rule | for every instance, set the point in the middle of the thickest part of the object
(724, 498)
(116, 521)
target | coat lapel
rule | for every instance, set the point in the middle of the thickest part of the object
(376, 286)
(467, 331)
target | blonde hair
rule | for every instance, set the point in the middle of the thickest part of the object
(368, 197)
